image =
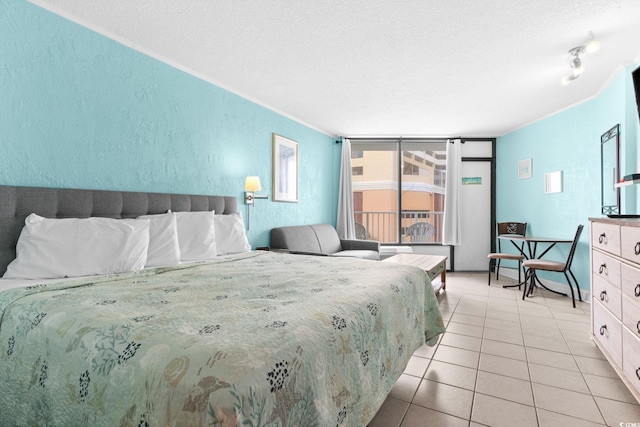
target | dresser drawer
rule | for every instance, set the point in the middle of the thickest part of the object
(606, 237)
(630, 243)
(608, 332)
(631, 362)
(605, 267)
(608, 295)
(630, 281)
(631, 316)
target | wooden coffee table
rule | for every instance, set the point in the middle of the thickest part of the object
(432, 264)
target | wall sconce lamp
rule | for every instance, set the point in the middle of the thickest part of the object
(574, 58)
(251, 185)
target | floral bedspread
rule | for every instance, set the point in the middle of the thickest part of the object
(257, 339)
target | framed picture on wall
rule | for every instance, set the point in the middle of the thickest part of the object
(524, 169)
(285, 169)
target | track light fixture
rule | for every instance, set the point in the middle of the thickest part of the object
(574, 58)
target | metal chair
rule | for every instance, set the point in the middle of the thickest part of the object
(420, 232)
(519, 228)
(361, 232)
(533, 265)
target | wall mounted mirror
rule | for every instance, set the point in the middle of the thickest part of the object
(610, 171)
(553, 182)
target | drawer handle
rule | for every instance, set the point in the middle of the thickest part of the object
(638, 290)
(603, 269)
(602, 239)
(638, 373)
(637, 248)
(638, 326)
(603, 330)
(603, 296)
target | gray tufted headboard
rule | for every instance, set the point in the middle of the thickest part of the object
(16, 203)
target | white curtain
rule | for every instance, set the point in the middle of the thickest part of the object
(345, 223)
(451, 223)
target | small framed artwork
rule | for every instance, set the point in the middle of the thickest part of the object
(524, 169)
(285, 169)
(553, 182)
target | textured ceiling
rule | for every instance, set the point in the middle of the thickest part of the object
(381, 67)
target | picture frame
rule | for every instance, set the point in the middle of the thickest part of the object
(285, 169)
(524, 169)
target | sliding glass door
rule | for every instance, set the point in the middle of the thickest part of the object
(398, 189)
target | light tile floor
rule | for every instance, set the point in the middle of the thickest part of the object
(508, 362)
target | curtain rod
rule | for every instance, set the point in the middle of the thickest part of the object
(403, 139)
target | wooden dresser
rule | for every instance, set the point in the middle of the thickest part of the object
(615, 295)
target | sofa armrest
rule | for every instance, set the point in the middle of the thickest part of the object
(360, 245)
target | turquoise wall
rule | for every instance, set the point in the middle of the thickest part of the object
(568, 141)
(78, 110)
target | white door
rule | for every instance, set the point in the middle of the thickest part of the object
(475, 216)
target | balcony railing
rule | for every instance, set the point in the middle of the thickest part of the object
(394, 227)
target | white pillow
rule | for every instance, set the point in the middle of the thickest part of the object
(231, 237)
(163, 240)
(51, 248)
(196, 235)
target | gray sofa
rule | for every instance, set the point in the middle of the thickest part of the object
(321, 239)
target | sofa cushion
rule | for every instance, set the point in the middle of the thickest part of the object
(364, 254)
(327, 238)
(300, 238)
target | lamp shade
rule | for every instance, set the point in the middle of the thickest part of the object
(252, 184)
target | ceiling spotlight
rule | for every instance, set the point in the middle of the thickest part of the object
(592, 45)
(568, 79)
(574, 58)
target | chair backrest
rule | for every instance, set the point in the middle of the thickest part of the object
(512, 228)
(420, 232)
(361, 232)
(519, 228)
(574, 245)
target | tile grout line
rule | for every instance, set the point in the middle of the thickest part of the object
(533, 394)
(595, 402)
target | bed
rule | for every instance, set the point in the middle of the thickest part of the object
(251, 338)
